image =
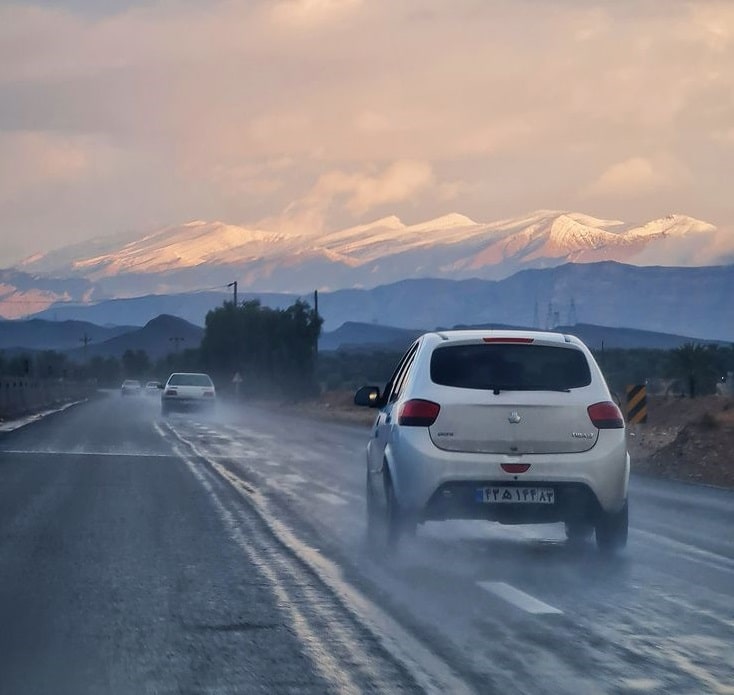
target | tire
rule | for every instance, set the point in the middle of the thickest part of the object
(612, 530)
(165, 411)
(385, 522)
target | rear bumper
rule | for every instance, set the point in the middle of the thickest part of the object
(187, 404)
(432, 482)
(573, 502)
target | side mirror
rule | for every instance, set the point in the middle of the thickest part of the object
(368, 396)
(160, 386)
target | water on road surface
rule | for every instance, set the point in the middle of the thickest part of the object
(227, 555)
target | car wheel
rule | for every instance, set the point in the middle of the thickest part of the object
(165, 411)
(612, 529)
(578, 533)
(385, 522)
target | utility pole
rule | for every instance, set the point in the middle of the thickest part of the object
(316, 316)
(86, 340)
(536, 317)
(176, 339)
(234, 292)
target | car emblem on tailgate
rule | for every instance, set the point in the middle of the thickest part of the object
(514, 418)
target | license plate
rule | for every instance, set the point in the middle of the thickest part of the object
(516, 495)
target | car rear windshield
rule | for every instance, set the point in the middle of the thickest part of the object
(502, 366)
(189, 380)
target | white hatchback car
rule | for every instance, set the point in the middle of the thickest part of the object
(510, 426)
(188, 391)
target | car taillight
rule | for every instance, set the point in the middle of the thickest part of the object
(521, 341)
(171, 392)
(606, 416)
(515, 467)
(418, 413)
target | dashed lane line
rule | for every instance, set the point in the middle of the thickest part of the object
(519, 599)
(331, 498)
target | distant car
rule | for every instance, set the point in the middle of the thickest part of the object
(130, 387)
(153, 388)
(510, 426)
(188, 391)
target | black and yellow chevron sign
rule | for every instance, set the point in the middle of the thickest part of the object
(636, 404)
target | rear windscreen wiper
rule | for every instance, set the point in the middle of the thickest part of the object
(496, 388)
(555, 389)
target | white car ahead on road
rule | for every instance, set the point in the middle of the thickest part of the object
(188, 391)
(152, 388)
(130, 387)
(510, 426)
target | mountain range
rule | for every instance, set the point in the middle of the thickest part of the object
(200, 255)
(697, 302)
(166, 334)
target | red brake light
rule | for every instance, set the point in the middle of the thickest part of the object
(508, 340)
(515, 467)
(171, 392)
(418, 413)
(606, 416)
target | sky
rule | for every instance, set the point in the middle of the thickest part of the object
(121, 117)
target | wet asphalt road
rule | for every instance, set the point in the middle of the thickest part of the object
(227, 556)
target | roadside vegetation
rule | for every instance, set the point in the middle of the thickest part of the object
(691, 370)
(275, 353)
(273, 350)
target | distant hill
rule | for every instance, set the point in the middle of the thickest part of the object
(202, 253)
(364, 336)
(40, 334)
(354, 337)
(139, 310)
(156, 338)
(677, 301)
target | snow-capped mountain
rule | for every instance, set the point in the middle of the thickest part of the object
(204, 254)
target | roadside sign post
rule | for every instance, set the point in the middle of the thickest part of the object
(637, 404)
(237, 380)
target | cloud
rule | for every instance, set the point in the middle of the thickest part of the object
(638, 176)
(312, 12)
(33, 161)
(358, 193)
(399, 182)
(384, 103)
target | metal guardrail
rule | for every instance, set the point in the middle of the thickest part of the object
(19, 395)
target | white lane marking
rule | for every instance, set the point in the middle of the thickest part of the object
(117, 454)
(519, 599)
(641, 684)
(291, 478)
(331, 498)
(12, 425)
(324, 662)
(431, 673)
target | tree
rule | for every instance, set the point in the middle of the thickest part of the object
(52, 365)
(273, 349)
(696, 365)
(135, 363)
